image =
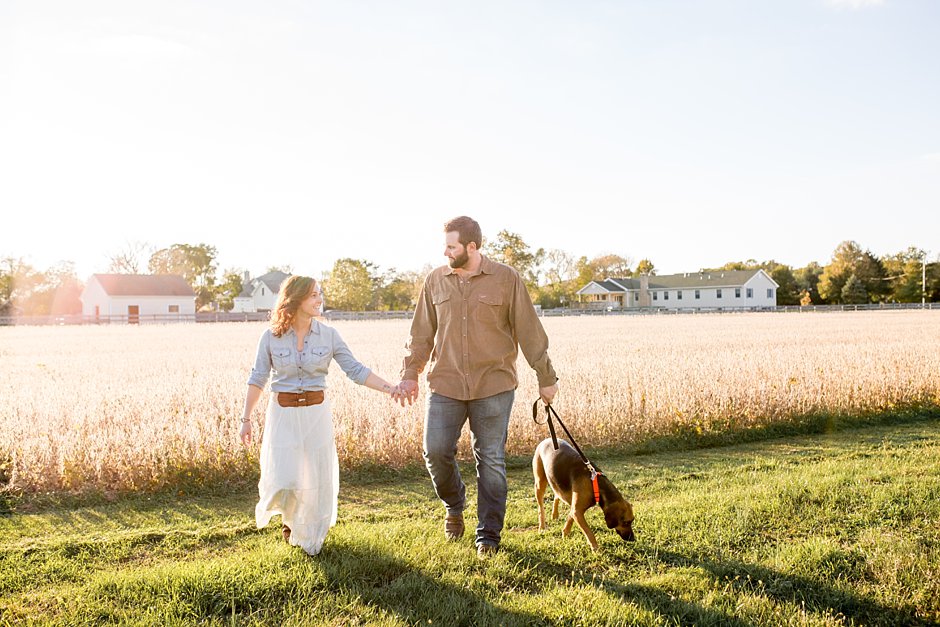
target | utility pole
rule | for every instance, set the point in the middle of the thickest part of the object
(923, 282)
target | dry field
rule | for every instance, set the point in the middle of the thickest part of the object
(124, 408)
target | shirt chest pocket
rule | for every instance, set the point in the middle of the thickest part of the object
(280, 357)
(490, 307)
(320, 354)
(440, 299)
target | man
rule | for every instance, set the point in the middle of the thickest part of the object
(472, 317)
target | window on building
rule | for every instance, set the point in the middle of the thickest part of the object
(698, 294)
(750, 292)
(770, 292)
(655, 295)
(678, 294)
(262, 291)
(666, 295)
(718, 292)
(174, 308)
(737, 292)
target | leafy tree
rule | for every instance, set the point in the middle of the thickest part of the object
(228, 290)
(585, 272)
(196, 264)
(788, 290)
(58, 292)
(612, 266)
(8, 272)
(733, 266)
(30, 292)
(557, 266)
(560, 281)
(854, 292)
(130, 259)
(933, 282)
(905, 272)
(18, 280)
(349, 285)
(509, 248)
(645, 267)
(807, 281)
(847, 260)
(396, 290)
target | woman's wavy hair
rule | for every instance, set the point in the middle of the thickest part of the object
(294, 290)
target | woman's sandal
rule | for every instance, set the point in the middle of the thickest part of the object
(285, 531)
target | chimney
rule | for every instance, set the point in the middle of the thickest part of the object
(645, 290)
(247, 276)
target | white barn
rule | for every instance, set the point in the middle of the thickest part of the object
(134, 298)
(259, 294)
(728, 289)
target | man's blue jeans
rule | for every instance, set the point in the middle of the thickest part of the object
(489, 423)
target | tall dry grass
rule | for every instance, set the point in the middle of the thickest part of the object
(123, 408)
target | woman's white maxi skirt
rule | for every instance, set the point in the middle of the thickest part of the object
(299, 472)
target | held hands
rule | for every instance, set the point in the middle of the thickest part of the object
(405, 390)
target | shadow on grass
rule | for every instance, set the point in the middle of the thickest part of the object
(668, 608)
(813, 594)
(386, 583)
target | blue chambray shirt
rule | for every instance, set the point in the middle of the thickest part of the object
(293, 370)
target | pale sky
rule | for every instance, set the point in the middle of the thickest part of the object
(689, 132)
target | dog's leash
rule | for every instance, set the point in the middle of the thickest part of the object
(549, 413)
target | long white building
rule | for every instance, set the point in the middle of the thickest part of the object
(135, 298)
(728, 289)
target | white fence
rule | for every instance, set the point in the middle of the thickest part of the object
(389, 315)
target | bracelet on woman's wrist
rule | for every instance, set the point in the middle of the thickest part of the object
(248, 419)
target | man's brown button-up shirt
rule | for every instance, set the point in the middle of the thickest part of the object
(471, 329)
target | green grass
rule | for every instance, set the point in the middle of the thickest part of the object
(830, 529)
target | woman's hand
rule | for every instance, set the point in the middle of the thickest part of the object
(245, 433)
(406, 391)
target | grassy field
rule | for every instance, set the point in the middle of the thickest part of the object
(125, 408)
(837, 529)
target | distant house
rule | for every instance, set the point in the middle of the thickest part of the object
(133, 298)
(729, 289)
(259, 294)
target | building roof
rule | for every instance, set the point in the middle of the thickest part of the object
(686, 280)
(272, 280)
(692, 280)
(144, 285)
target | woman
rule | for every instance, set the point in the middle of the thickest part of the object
(299, 468)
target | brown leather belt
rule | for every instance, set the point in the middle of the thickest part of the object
(299, 399)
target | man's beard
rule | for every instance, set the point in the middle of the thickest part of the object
(460, 260)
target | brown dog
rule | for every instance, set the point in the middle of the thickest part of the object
(571, 482)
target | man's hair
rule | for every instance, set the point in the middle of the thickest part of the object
(468, 230)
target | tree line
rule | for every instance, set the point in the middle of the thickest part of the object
(853, 276)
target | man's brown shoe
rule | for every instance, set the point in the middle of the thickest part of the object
(285, 531)
(453, 527)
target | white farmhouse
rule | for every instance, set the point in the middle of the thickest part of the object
(135, 298)
(728, 289)
(259, 294)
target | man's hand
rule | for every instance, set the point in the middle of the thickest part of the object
(405, 390)
(548, 393)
